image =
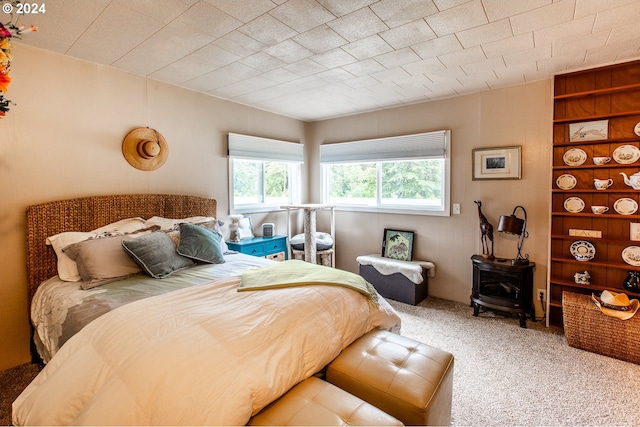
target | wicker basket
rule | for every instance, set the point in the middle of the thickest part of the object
(587, 328)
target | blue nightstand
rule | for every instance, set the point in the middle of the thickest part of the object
(268, 247)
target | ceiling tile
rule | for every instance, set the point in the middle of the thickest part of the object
(320, 39)
(288, 51)
(361, 68)
(262, 61)
(368, 47)
(206, 18)
(578, 27)
(506, 46)
(358, 25)
(436, 47)
(423, 66)
(408, 34)
(629, 32)
(399, 12)
(484, 65)
(390, 74)
(543, 17)
(341, 7)
(467, 56)
(239, 44)
(627, 14)
(397, 58)
(500, 9)
(244, 10)
(579, 43)
(304, 67)
(334, 58)
(494, 31)
(267, 29)
(302, 15)
(525, 56)
(590, 7)
(459, 18)
(123, 27)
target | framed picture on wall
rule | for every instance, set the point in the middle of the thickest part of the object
(397, 244)
(497, 163)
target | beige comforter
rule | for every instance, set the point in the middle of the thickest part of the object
(206, 355)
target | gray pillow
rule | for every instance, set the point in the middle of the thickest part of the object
(200, 244)
(101, 260)
(156, 254)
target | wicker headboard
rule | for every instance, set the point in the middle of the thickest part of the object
(89, 213)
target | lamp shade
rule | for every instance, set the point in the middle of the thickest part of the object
(511, 224)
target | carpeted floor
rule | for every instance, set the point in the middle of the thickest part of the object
(504, 375)
(12, 382)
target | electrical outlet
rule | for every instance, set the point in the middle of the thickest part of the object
(542, 294)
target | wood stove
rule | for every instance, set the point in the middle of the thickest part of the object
(500, 286)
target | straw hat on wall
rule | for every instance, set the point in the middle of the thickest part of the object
(145, 149)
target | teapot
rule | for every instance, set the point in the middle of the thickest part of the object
(632, 181)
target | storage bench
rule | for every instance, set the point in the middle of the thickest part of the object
(314, 402)
(405, 378)
(404, 281)
(587, 328)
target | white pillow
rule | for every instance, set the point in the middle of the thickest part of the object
(168, 224)
(67, 268)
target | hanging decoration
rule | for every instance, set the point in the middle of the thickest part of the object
(9, 30)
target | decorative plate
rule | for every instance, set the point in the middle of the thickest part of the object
(566, 181)
(625, 206)
(631, 255)
(574, 157)
(574, 204)
(626, 154)
(636, 129)
(583, 250)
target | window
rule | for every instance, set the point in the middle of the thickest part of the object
(407, 174)
(263, 173)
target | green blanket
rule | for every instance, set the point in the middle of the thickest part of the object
(300, 273)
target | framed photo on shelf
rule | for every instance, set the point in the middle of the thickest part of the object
(497, 163)
(397, 244)
(589, 131)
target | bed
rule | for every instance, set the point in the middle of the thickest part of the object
(188, 348)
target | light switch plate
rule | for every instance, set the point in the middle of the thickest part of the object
(456, 208)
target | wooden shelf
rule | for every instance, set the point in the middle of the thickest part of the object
(596, 239)
(598, 141)
(597, 117)
(608, 270)
(607, 166)
(592, 215)
(596, 92)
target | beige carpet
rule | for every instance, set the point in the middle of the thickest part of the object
(12, 382)
(504, 375)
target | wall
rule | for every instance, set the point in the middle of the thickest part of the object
(519, 115)
(63, 139)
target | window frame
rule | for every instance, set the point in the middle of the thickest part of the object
(258, 149)
(409, 149)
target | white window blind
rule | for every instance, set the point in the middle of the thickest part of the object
(428, 145)
(257, 148)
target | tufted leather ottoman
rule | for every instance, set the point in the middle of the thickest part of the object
(314, 402)
(403, 377)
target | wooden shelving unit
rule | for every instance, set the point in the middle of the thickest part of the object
(609, 93)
